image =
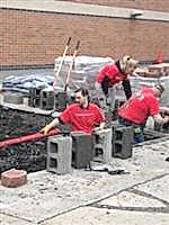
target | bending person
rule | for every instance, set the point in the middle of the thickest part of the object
(112, 74)
(139, 107)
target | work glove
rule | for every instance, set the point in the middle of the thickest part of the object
(45, 129)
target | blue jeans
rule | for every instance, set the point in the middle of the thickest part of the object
(138, 135)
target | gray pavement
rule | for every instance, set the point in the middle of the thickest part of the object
(97, 198)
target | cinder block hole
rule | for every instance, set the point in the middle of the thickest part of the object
(98, 152)
(118, 148)
(53, 163)
(54, 147)
(73, 155)
(99, 139)
(118, 135)
(37, 101)
(38, 91)
(44, 103)
(44, 95)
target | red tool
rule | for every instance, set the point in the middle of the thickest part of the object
(61, 62)
(27, 138)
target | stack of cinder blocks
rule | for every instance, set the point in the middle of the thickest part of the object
(41, 98)
(122, 138)
(102, 145)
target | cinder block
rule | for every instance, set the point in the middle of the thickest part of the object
(37, 102)
(82, 152)
(13, 98)
(59, 154)
(14, 178)
(103, 145)
(60, 101)
(122, 139)
(35, 92)
(34, 102)
(34, 97)
(47, 99)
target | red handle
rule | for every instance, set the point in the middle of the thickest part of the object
(27, 138)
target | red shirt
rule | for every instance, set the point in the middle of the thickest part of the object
(82, 119)
(140, 106)
(112, 72)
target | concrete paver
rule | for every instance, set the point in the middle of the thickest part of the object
(129, 199)
(101, 198)
(158, 188)
(96, 216)
(6, 220)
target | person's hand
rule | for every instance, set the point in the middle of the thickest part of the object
(45, 130)
(96, 129)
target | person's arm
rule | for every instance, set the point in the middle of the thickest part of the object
(160, 120)
(100, 119)
(101, 127)
(105, 85)
(49, 126)
(127, 88)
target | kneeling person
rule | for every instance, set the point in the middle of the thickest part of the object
(81, 116)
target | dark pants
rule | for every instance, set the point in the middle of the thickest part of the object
(138, 134)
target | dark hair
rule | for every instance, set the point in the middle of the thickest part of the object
(84, 92)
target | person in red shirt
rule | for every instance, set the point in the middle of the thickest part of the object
(139, 107)
(112, 74)
(81, 116)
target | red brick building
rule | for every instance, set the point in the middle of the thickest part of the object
(35, 34)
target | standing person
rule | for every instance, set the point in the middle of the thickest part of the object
(112, 74)
(81, 116)
(139, 107)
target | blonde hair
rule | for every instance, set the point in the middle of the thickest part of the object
(127, 61)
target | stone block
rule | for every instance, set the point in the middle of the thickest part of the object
(103, 145)
(59, 154)
(13, 178)
(82, 152)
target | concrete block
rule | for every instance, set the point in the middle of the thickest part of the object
(37, 102)
(14, 178)
(103, 145)
(35, 92)
(59, 154)
(60, 101)
(47, 103)
(122, 139)
(34, 97)
(47, 99)
(14, 98)
(82, 152)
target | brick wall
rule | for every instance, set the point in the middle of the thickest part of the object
(157, 5)
(30, 38)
